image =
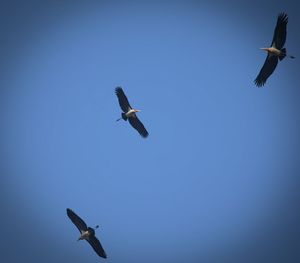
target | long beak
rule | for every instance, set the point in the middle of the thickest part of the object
(137, 110)
(264, 48)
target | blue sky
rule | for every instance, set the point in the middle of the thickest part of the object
(219, 171)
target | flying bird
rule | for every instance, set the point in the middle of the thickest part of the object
(129, 113)
(275, 52)
(86, 233)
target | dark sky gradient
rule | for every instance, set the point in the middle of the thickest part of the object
(218, 178)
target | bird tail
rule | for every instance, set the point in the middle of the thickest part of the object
(123, 117)
(283, 54)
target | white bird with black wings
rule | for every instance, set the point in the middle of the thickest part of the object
(86, 233)
(129, 113)
(275, 52)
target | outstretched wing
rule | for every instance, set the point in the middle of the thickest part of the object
(123, 101)
(77, 221)
(279, 36)
(96, 245)
(138, 125)
(266, 71)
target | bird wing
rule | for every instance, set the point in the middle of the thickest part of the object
(266, 70)
(96, 245)
(77, 221)
(279, 35)
(123, 101)
(138, 125)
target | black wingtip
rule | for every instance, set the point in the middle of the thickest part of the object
(69, 212)
(145, 135)
(283, 17)
(118, 89)
(259, 84)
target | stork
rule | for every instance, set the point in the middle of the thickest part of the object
(129, 113)
(275, 52)
(86, 233)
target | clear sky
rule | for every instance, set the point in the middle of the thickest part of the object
(217, 180)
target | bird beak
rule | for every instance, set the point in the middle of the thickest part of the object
(264, 48)
(138, 110)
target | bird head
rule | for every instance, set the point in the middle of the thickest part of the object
(265, 49)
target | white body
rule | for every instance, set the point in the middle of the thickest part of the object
(272, 51)
(131, 113)
(85, 235)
